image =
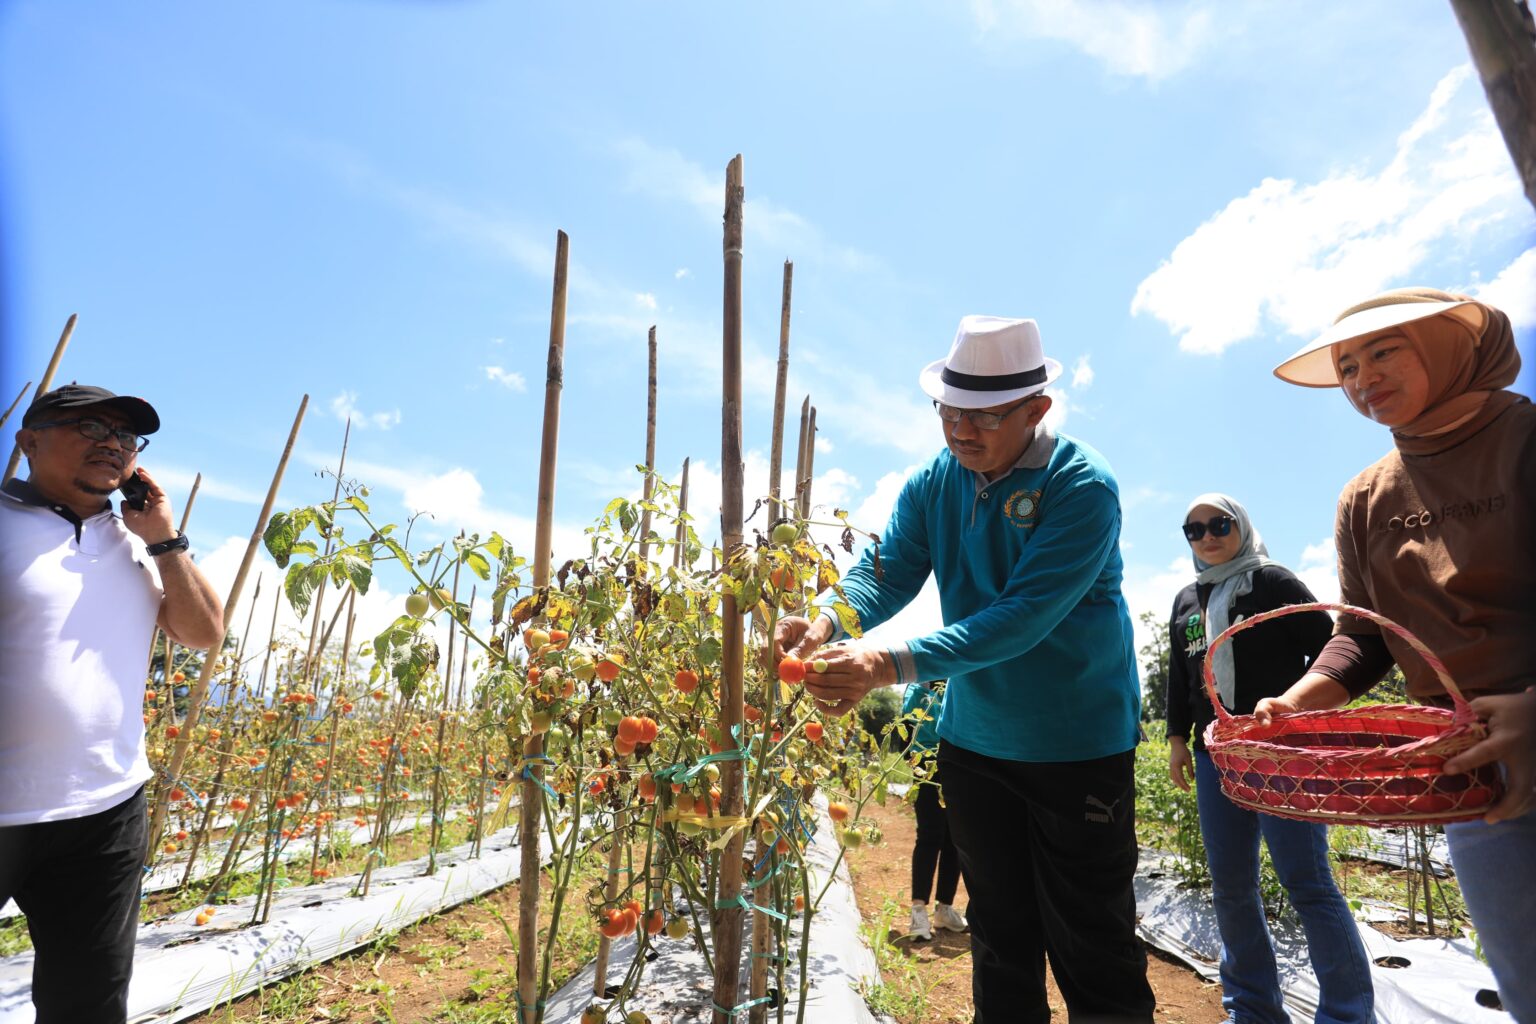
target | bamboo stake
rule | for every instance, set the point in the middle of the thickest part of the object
(616, 848)
(531, 799)
(1503, 47)
(435, 832)
(727, 911)
(15, 403)
(650, 458)
(246, 635)
(682, 527)
(200, 691)
(776, 458)
(330, 543)
(43, 386)
(186, 516)
(761, 925)
(810, 464)
(805, 422)
(261, 683)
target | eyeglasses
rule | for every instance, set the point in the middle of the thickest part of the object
(1220, 526)
(96, 430)
(979, 420)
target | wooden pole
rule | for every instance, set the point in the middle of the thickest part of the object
(200, 691)
(1502, 39)
(617, 847)
(43, 386)
(810, 464)
(682, 527)
(154, 637)
(805, 425)
(12, 408)
(727, 912)
(650, 453)
(330, 542)
(531, 799)
(776, 458)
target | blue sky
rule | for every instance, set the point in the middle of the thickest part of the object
(359, 200)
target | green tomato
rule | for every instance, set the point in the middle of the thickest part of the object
(582, 667)
(677, 928)
(612, 716)
(416, 605)
(689, 828)
(540, 721)
(785, 533)
(851, 839)
(819, 665)
(712, 772)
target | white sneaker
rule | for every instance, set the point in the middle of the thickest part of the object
(920, 928)
(948, 918)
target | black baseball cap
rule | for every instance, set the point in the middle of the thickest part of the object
(140, 414)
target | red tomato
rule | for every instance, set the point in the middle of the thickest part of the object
(630, 729)
(792, 670)
(814, 731)
(686, 680)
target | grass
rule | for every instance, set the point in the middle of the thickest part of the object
(900, 992)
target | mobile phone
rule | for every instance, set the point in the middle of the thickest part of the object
(135, 491)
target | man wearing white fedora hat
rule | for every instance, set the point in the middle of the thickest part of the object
(1020, 528)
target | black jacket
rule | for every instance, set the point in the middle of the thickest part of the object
(1267, 658)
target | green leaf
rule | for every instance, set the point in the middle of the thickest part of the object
(283, 531)
(303, 547)
(356, 501)
(299, 586)
(848, 619)
(709, 651)
(353, 565)
(478, 564)
(495, 545)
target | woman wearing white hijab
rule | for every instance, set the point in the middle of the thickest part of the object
(1235, 580)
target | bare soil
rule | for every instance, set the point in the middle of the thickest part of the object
(883, 872)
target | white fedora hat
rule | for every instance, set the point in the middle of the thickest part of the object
(992, 361)
(1312, 366)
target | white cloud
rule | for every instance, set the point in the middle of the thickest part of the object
(1290, 255)
(344, 407)
(178, 483)
(1082, 373)
(681, 273)
(1141, 39)
(510, 379)
(823, 444)
(1318, 569)
(1514, 290)
(645, 300)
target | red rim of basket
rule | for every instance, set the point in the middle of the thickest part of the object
(1463, 721)
(1462, 710)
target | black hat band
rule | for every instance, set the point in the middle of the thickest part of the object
(998, 382)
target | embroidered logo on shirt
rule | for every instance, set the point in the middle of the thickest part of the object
(1022, 507)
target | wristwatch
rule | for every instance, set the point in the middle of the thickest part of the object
(176, 543)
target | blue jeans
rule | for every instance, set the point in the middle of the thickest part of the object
(1249, 982)
(1496, 869)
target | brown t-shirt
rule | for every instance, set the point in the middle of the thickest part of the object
(1445, 546)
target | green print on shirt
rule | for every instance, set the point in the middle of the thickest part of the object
(1194, 630)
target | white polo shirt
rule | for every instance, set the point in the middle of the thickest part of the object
(78, 604)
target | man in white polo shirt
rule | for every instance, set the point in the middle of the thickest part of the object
(81, 589)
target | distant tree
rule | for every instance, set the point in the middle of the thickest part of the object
(1154, 669)
(878, 710)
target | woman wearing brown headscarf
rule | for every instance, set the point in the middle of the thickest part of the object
(1440, 536)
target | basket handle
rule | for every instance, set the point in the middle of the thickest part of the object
(1462, 708)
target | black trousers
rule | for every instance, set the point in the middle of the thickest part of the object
(1049, 854)
(78, 883)
(934, 848)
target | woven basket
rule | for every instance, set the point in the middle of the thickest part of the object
(1378, 765)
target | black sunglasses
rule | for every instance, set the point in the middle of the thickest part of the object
(1219, 526)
